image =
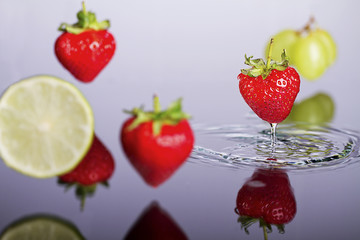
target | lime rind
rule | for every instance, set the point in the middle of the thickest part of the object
(46, 126)
(41, 226)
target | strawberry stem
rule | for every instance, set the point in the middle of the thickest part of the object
(157, 107)
(268, 60)
(83, 6)
(265, 232)
(260, 68)
(82, 203)
(170, 116)
(86, 21)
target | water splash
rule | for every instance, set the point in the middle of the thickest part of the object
(273, 134)
(237, 146)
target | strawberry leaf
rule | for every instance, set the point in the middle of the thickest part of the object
(281, 228)
(86, 20)
(259, 68)
(246, 222)
(141, 117)
(82, 191)
(170, 116)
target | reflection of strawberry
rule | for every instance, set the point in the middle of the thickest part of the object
(268, 197)
(96, 167)
(155, 223)
(86, 47)
(269, 89)
(157, 143)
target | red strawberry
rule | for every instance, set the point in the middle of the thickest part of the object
(270, 90)
(96, 167)
(157, 143)
(155, 223)
(85, 47)
(267, 197)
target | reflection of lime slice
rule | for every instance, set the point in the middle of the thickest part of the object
(46, 126)
(41, 227)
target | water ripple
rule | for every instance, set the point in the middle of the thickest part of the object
(296, 148)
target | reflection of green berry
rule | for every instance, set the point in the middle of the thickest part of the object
(317, 109)
(327, 104)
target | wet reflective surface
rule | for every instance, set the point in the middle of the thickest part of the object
(194, 50)
(295, 147)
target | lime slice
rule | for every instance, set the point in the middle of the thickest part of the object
(46, 126)
(41, 227)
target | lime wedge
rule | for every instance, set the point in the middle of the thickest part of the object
(41, 227)
(46, 126)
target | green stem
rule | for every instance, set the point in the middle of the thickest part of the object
(307, 27)
(83, 6)
(265, 233)
(157, 107)
(268, 60)
(82, 203)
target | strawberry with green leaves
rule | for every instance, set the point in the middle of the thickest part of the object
(268, 198)
(269, 89)
(85, 47)
(157, 142)
(95, 168)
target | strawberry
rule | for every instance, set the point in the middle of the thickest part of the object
(266, 197)
(158, 142)
(155, 223)
(96, 167)
(85, 47)
(269, 89)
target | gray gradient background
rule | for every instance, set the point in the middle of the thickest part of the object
(192, 49)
